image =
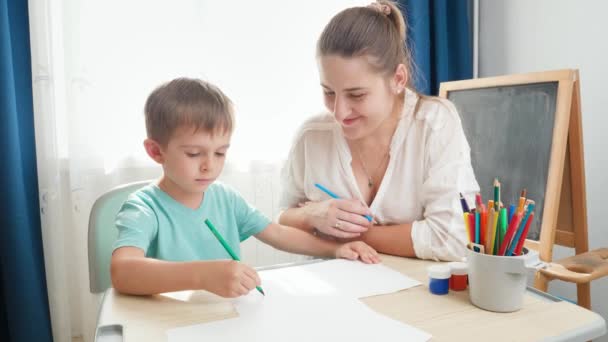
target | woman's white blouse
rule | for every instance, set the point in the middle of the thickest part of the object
(429, 165)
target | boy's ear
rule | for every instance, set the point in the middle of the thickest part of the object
(154, 150)
(400, 79)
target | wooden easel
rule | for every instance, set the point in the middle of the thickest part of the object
(570, 230)
(564, 219)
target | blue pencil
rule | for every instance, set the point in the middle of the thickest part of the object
(326, 190)
(511, 212)
(520, 230)
(464, 204)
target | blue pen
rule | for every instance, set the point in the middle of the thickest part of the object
(326, 190)
(520, 230)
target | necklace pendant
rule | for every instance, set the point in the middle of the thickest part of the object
(369, 182)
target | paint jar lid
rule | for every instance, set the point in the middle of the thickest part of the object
(459, 268)
(439, 271)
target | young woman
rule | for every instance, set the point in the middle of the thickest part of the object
(385, 150)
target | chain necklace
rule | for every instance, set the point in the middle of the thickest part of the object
(370, 181)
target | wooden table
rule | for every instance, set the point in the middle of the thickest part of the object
(448, 318)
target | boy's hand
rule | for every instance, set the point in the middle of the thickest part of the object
(229, 278)
(358, 250)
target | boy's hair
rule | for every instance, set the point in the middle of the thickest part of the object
(187, 102)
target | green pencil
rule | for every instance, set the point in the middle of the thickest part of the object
(503, 223)
(496, 194)
(227, 247)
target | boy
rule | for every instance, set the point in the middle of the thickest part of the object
(163, 243)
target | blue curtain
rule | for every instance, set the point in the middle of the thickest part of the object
(440, 35)
(24, 309)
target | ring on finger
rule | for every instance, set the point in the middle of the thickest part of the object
(338, 224)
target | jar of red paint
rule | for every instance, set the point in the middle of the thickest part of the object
(459, 278)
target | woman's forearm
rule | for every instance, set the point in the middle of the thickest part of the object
(393, 240)
(296, 217)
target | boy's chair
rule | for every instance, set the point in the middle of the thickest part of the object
(103, 233)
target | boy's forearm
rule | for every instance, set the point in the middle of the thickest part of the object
(146, 276)
(296, 217)
(292, 240)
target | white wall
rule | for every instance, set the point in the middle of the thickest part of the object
(519, 36)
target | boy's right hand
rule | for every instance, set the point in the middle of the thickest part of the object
(229, 278)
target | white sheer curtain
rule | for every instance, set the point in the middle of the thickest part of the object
(94, 63)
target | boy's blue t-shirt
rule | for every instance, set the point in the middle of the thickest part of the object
(165, 229)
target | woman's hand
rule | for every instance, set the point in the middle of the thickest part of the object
(339, 218)
(358, 250)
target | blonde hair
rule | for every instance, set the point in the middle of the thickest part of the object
(377, 31)
(187, 102)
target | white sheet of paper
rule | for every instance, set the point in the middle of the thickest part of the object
(311, 302)
(300, 319)
(339, 276)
